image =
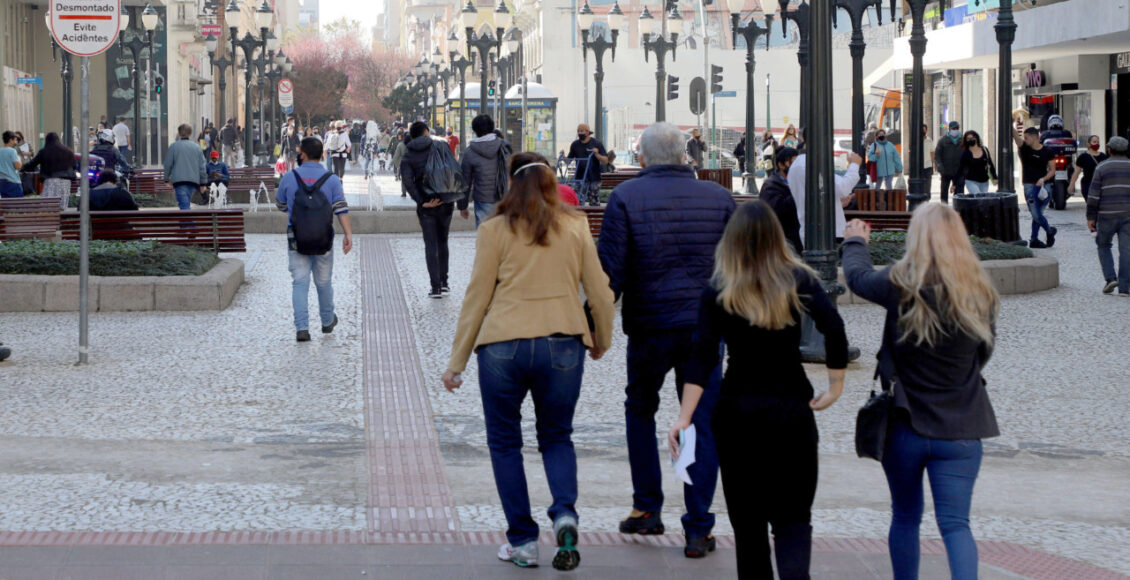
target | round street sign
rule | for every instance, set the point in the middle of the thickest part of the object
(286, 93)
(85, 27)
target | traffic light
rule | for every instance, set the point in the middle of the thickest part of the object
(715, 79)
(159, 85)
(490, 87)
(672, 87)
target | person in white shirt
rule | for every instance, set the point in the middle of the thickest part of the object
(928, 159)
(844, 185)
(122, 139)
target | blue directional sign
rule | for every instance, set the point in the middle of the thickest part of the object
(726, 94)
(30, 81)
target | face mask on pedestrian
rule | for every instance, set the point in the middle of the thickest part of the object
(970, 142)
(582, 136)
(882, 137)
(955, 133)
(1095, 146)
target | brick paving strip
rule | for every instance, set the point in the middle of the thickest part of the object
(409, 499)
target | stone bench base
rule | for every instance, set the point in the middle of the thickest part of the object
(213, 290)
(1023, 276)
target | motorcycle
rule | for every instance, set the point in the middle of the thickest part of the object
(1064, 149)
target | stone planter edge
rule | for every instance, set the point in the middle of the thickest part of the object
(1010, 277)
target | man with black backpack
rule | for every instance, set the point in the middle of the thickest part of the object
(311, 196)
(433, 179)
(485, 170)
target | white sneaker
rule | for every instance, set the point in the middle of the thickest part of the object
(525, 556)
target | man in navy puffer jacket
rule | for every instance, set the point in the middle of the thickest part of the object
(657, 247)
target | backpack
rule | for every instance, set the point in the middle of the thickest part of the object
(443, 178)
(502, 172)
(311, 219)
(331, 145)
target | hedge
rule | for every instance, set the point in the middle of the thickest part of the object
(888, 247)
(107, 258)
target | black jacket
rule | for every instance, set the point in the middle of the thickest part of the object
(57, 162)
(111, 198)
(777, 194)
(480, 170)
(939, 387)
(414, 165)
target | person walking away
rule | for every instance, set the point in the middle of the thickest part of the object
(185, 167)
(229, 142)
(888, 162)
(356, 137)
(523, 315)
(56, 165)
(776, 194)
(947, 160)
(657, 246)
(927, 157)
(397, 158)
(453, 141)
(10, 164)
(484, 168)
(289, 146)
(739, 154)
(311, 196)
(581, 149)
(1086, 164)
(937, 338)
(695, 149)
(754, 304)
(1108, 215)
(1037, 168)
(434, 214)
(844, 185)
(976, 165)
(123, 139)
(340, 147)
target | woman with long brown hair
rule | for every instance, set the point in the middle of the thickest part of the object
(523, 315)
(763, 424)
(939, 332)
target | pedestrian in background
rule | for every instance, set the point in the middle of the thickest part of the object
(123, 139)
(56, 165)
(433, 213)
(844, 186)
(585, 149)
(185, 167)
(976, 165)
(790, 138)
(229, 141)
(1086, 164)
(1037, 168)
(657, 246)
(10, 183)
(927, 157)
(739, 154)
(481, 162)
(765, 407)
(777, 195)
(1108, 215)
(937, 338)
(523, 315)
(947, 159)
(888, 162)
(695, 149)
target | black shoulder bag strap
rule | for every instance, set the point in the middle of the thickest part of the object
(310, 189)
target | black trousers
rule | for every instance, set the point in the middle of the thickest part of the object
(958, 182)
(435, 223)
(339, 166)
(767, 454)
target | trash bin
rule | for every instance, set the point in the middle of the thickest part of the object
(990, 215)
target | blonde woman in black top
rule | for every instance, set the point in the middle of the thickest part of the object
(763, 424)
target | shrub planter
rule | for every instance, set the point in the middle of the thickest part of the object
(1023, 276)
(213, 290)
(991, 215)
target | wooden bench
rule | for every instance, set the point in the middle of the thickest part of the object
(880, 199)
(881, 221)
(220, 230)
(723, 177)
(29, 217)
(151, 181)
(595, 215)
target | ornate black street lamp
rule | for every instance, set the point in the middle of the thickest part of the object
(672, 24)
(856, 9)
(919, 187)
(276, 68)
(802, 16)
(135, 45)
(262, 67)
(262, 21)
(67, 74)
(486, 42)
(1006, 34)
(750, 32)
(594, 40)
(212, 42)
(459, 64)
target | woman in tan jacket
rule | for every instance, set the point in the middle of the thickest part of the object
(523, 316)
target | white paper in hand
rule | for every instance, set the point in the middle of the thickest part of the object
(686, 455)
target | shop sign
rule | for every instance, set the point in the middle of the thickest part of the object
(1120, 63)
(1034, 79)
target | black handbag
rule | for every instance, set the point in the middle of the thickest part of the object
(872, 421)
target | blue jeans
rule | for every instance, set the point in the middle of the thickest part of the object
(952, 466)
(1106, 230)
(301, 266)
(550, 370)
(124, 151)
(184, 195)
(649, 361)
(482, 212)
(1036, 207)
(976, 187)
(883, 182)
(11, 189)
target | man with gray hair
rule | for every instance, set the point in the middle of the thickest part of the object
(1108, 215)
(657, 247)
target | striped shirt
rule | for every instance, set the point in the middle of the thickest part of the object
(1109, 196)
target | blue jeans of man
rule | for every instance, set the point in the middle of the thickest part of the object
(1107, 229)
(650, 357)
(11, 189)
(550, 370)
(482, 212)
(322, 269)
(1036, 207)
(124, 151)
(184, 195)
(952, 466)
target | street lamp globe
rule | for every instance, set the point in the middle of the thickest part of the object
(647, 21)
(675, 21)
(149, 18)
(273, 42)
(469, 14)
(288, 65)
(263, 15)
(512, 40)
(211, 43)
(502, 16)
(735, 6)
(585, 16)
(280, 57)
(616, 17)
(125, 18)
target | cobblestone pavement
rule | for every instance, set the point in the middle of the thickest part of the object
(217, 429)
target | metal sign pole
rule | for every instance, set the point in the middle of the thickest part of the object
(84, 227)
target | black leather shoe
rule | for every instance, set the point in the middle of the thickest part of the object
(330, 328)
(699, 547)
(303, 336)
(648, 524)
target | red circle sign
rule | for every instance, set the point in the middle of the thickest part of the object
(85, 27)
